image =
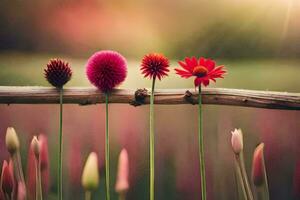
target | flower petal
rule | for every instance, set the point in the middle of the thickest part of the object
(184, 74)
(185, 66)
(202, 61)
(190, 62)
(194, 61)
(210, 64)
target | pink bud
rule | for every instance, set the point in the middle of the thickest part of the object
(44, 159)
(122, 184)
(21, 191)
(237, 140)
(44, 155)
(7, 178)
(258, 168)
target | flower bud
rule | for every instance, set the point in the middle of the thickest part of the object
(237, 140)
(90, 174)
(35, 145)
(44, 155)
(7, 178)
(21, 195)
(122, 184)
(258, 165)
(44, 166)
(12, 140)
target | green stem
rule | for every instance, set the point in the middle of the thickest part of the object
(107, 175)
(38, 183)
(60, 195)
(18, 167)
(122, 196)
(40, 180)
(244, 176)
(266, 185)
(88, 195)
(152, 141)
(240, 177)
(201, 147)
(263, 190)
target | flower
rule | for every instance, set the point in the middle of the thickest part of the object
(7, 178)
(12, 140)
(58, 72)
(106, 70)
(155, 65)
(44, 155)
(122, 184)
(35, 145)
(237, 140)
(31, 167)
(258, 165)
(90, 174)
(203, 69)
(21, 193)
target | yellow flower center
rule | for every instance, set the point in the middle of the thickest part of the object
(200, 71)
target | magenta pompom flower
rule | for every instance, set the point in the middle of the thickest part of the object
(58, 72)
(106, 70)
(155, 65)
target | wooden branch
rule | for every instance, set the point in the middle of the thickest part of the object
(218, 96)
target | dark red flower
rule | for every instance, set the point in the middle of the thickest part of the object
(58, 72)
(106, 70)
(203, 69)
(7, 178)
(155, 65)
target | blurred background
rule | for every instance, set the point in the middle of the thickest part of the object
(257, 40)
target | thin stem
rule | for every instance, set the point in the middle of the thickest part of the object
(36, 180)
(60, 195)
(260, 193)
(240, 177)
(19, 167)
(88, 195)
(152, 141)
(266, 185)
(244, 176)
(122, 196)
(107, 175)
(39, 183)
(8, 197)
(201, 147)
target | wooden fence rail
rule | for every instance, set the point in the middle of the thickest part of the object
(89, 95)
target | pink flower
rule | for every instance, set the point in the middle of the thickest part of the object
(237, 140)
(122, 184)
(21, 195)
(44, 159)
(258, 166)
(7, 178)
(106, 70)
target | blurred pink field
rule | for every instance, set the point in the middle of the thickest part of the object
(176, 147)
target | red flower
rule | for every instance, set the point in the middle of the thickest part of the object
(203, 69)
(155, 65)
